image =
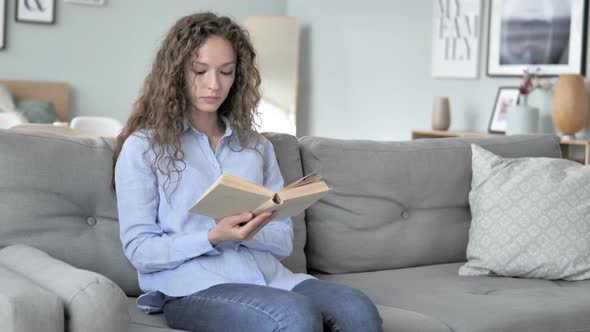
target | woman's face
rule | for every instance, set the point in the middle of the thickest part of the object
(210, 74)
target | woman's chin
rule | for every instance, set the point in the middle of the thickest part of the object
(208, 108)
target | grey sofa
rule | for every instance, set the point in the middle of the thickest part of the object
(396, 226)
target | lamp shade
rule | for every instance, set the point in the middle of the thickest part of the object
(570, 104)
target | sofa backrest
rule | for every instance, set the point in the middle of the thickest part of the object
(289, 159)
(397, 204)
(55, 195)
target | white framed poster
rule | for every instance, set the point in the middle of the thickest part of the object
(35, 11)
(87, 2)
(550, 35)
(3, 4)
(456, 30)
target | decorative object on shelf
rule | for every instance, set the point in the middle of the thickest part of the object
(548, 33)
(523, 118)
(3, 7)
(441, 113)
(35, 11)
(456, 27)
(570, 104)
(507, 96)
(541, 98)
(87, 2)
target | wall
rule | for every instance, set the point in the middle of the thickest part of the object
(104, 52)
(366, 71)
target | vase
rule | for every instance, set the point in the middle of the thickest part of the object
(441, 113)
(570, 104)
(522, 118)
(541, 98)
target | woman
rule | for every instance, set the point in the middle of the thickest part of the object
(194, 120)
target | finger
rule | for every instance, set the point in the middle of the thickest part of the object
(252, 224)
(238, 218)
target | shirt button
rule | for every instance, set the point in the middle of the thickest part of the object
(405, 215)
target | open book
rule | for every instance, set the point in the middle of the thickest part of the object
(231, 195)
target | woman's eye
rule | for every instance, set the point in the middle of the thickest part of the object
(227, 73)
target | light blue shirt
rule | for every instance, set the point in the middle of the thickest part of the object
(168, 246)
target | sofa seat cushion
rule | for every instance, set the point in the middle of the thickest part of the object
(438, 299)
(141, 321)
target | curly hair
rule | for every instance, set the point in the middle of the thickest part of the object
(163, 104)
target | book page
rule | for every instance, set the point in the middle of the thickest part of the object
(229, 197)
(294, 206)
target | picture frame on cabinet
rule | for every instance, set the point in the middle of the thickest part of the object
(506, 96)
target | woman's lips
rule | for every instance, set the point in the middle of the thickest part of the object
(211, 99)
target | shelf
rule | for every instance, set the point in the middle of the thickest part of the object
(566, 144)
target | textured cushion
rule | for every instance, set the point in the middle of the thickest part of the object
(6, 99)
(92, 302)
(37, 111)
(531, 218)
(287, 152)
(55, 195)
(397, 204)
(26, 307)
(437, 299)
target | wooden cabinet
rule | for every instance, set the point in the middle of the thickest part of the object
(573, 149)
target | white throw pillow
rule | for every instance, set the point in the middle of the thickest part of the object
(530, 218)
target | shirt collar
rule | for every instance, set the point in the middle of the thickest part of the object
(186, 126)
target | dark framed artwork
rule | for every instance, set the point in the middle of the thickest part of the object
(3, 6)
(550, 35)
(35, 11)
(507, 96)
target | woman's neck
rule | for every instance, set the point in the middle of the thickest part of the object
(207, 123)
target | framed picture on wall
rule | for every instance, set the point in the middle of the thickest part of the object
(35, 11)
(548, 34)
(3, 6)
(507, 96)
(87, 2)
(456, 27)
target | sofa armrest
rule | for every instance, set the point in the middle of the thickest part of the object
(91, 301)
(25, 306)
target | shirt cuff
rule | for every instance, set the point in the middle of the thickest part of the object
(194, 245)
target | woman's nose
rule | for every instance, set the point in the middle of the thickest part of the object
(213, 82)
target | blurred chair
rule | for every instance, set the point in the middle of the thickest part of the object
(46, 128)
(8, 119)
(96, 126)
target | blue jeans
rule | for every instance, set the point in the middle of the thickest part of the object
(310, 306)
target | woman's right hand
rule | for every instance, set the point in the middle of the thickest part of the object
(240, 227)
